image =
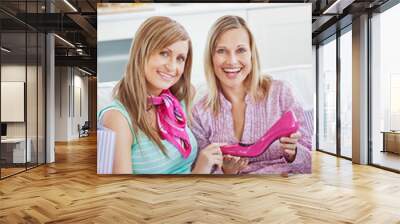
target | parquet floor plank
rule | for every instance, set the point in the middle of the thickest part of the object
(70, 191)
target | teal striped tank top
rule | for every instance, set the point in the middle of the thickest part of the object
(147, 157)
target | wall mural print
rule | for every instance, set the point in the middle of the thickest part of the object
(227, 91)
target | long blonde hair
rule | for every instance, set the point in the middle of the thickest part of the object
(259, 84)
(153, 35)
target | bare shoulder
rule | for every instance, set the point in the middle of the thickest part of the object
(114, 120)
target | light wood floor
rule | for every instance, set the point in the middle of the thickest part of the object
(70, 191)
(10, 171)
(5, 172)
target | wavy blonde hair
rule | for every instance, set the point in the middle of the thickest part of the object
(153, 35)
(258, 84)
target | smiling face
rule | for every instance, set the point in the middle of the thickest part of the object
(165, 67)
(232, 58)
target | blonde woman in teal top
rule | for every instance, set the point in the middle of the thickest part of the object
(153, 137)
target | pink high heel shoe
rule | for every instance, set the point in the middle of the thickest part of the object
(285, 126)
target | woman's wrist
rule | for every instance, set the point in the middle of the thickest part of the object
(290, 158)
(196, 169)
(200, 168)
(229, 171)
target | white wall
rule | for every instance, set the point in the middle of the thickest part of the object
(283, 34)
(12, 101)
(16, 73)
(67, 114)
(61, 103)
(80, 83)
(13, 73)
(33, 126)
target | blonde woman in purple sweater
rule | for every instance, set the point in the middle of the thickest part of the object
(241, 105)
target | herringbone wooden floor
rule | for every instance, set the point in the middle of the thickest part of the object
(70, 191)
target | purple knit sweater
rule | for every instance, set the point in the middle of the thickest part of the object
(259, 117)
